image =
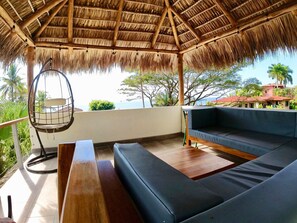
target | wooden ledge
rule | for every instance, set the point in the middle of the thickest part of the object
(83, 200)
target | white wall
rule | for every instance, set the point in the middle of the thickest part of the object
(115, 125)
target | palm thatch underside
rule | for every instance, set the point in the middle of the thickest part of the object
(147, 34)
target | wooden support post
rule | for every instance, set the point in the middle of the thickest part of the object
(30, 66)
(181, 79)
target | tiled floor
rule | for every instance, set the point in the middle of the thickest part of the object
(34, 196)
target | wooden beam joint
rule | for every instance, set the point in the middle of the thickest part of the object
(15, 28)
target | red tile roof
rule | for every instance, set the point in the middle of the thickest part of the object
(233, 99)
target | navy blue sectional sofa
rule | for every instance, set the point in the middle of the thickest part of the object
(262, 190)
(254, 131)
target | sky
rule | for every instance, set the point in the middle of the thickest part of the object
(105, 86)
(260, 67)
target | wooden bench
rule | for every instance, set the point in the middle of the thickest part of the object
(90, 190)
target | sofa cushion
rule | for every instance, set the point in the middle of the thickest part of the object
(272, 201)
(161, 193)
(259, 120)
(232, 182)
(247, 141)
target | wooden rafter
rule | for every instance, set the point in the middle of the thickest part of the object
(39, 12)
(226, 12)
(295, 12)
(16, 12)
(118, 22)
(192, 6)
(10, 22)
(144, 3)
(158, 28)
(201, 12)
(33, 10)
(189, 27)
(248, 25)
(59, 45)
(50, 18)
(170, 16)
(70, 20)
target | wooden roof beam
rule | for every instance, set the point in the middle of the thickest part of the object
(59, 45)
(295, 12)
(70, 20)
(170, 16)
(189, 27)
(158, 28)
(226, 12)
(10, 22)
(250, 24)
(39, 12)
(50, 18)
(118, 22)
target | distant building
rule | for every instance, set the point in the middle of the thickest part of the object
(268, 99)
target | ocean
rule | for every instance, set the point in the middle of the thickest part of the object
(138, 104)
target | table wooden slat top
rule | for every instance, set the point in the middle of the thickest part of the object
(195, 163)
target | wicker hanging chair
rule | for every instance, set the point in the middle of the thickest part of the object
(50, 108)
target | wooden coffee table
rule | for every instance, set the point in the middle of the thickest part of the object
(195, 163)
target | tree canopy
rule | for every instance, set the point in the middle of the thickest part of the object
(250, 88)
(13, 88)
(281, 73)
(161, 89)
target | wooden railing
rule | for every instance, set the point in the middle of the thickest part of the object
(90, 190)
(15, 136)
(80, 194)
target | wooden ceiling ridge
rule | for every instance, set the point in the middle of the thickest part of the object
(118, 22)
(49, 19)
(250, 24)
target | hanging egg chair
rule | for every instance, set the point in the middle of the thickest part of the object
(50, 109)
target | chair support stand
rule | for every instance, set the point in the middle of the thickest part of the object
(44, 156)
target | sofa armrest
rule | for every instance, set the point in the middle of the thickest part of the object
(201, 117)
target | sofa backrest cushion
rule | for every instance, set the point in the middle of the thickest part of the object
(161, 193)
(259, 120)
(202, 117)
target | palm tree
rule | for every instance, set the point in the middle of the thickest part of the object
(13, 86)
(281, 73)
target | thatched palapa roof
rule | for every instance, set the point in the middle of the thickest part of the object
(89, 34)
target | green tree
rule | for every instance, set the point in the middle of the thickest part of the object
(250, 88)
(281, 73)
(96, 105)
(13, 89)
(162, 89)
(10, 111)
(138, 85)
